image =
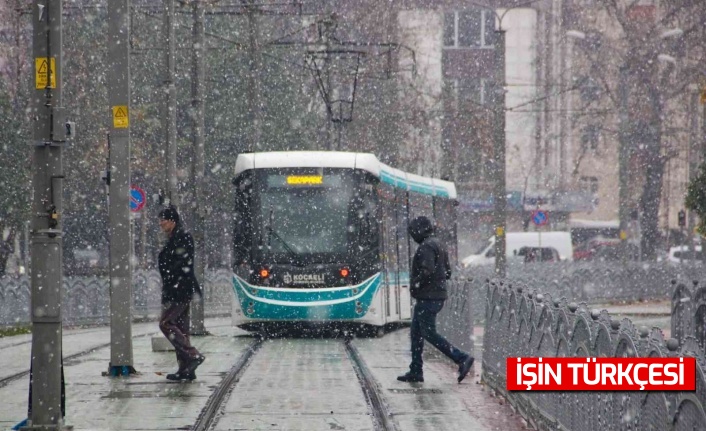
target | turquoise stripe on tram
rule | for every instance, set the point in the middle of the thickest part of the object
(338, 303)
(415, 186)
(392, 277)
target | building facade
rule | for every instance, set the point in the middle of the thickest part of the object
(628, 75)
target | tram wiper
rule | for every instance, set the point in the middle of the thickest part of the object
(271, 232)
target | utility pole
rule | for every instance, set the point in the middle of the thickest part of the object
(170, 105)
(46, 402)
(499, 194)
(693, 163)
(197, 113)
(170, 190)
(328, 29)
(623, 154)
(254, 109)
(121, 233)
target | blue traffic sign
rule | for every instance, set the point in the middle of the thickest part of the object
(540, 218)
(137, 198)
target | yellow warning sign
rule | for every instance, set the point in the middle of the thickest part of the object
(120, 117)
(42, 70)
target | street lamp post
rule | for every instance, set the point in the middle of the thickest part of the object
(623, 155)
(499, 140)
(499, 194)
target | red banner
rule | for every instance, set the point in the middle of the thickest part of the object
(601, 374)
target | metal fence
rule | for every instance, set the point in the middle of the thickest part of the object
(590, 281)
(86, 300)
(455, 321)
(689, 313)
(525, 323)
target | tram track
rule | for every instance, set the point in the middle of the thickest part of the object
(4, 381)
(9, 379)
(220, 395)
(213, 411)
(29, 341)
(381, 414)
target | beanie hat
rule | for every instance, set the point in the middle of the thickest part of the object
(169, 213)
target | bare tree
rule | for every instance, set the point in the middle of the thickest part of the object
(14, 178)
(640, 59)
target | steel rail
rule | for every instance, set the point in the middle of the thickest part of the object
(381, 415)
(7, 380)
(221, 394)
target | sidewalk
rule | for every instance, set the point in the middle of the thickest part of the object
(145, 401)
(652, 314)
(148, 401)
(642, 309)
(440, 403)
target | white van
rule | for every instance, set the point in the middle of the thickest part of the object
(516, 241)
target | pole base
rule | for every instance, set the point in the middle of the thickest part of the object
(57, 427)
(161, 344)
(119, 371)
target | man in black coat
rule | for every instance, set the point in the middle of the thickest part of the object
(176, 266)
(430, 270)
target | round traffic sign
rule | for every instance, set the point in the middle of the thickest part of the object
(540, 218)
(137, 198)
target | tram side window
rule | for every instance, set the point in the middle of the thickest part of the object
(387, 197)
(420, 205)
(445, 210)
(402, 236)
(369, 226)
(242, 220)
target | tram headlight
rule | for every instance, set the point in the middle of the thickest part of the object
(345, 272)
(264, 273)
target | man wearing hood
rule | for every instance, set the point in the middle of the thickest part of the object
(430, 270)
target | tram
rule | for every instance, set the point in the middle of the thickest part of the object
(321, 238)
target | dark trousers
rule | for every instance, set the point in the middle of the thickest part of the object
(424, 328)
(174, 324)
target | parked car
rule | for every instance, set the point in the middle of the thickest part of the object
(539, 254)
(601, 248)
(514, 241)
(681, 253)
(86, 261)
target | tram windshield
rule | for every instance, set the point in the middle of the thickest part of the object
(309, 215)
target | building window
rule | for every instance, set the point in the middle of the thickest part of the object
(589, 184)
(589, 89)
(590, 137)
(466, 92)
(473, 28)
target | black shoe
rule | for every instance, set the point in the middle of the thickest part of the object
(182, 376)
(194, 364)
(411, 378)
(464, 368)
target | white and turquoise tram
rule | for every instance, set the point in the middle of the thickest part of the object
(321, 238)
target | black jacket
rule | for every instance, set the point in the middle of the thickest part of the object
(176, 266)
(430, 265)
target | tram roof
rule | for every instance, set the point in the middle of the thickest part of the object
(337, 159)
